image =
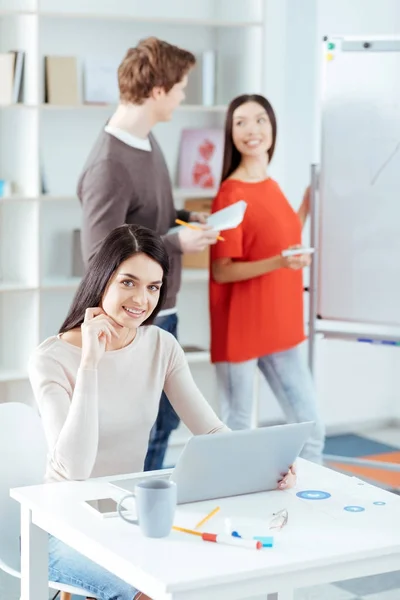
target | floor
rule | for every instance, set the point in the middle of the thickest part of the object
(380, 445)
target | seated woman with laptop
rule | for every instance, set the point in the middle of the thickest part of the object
(99, 381)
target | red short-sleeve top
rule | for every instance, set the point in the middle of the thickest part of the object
(250, 319)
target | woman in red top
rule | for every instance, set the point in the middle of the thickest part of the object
(256, 295)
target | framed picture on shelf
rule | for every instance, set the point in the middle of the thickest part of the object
(200, 158)
(100, 83)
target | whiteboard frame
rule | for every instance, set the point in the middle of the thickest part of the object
(318, 325)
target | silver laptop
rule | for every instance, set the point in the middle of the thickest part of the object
(232, 464)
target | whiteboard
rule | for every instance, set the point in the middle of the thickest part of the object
(359, 188)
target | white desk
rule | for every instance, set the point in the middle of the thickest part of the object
(321, 542)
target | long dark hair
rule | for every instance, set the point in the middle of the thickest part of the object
(232, 156)
(120, 244)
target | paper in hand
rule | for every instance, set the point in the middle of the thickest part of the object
(229, 217)
(226, 218)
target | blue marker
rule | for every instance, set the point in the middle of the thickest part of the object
(266, 541)
(383, 342)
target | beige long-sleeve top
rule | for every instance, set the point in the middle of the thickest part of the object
(98, 422)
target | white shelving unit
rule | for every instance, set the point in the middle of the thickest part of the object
(38, 139)
(106, 107)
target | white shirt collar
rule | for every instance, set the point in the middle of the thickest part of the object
(129, 139)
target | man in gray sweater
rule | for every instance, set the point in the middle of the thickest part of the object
(126, 180)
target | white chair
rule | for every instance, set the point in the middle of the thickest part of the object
(23, 451)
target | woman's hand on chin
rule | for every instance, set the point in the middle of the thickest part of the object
(97, 329)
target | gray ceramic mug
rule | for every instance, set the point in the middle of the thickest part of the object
(155, 506)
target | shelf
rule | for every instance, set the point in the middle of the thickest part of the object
(18, 105)
(133, 18)
(202, 356)
(45, 106)
(53, 198)
(148, 20)
(217, 108)
(193, 275)
(60, 283)
(41, 255)
(15, 286)
(178, 193)
(82, 106)
(16, 13)
(201, 107)
(12, 375)
(16, 198)
(186, 193)
(41, 198)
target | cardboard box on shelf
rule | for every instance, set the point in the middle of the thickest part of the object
(199, 260)
(61, 80)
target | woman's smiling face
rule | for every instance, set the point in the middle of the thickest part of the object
(251, 129)
(133, 291)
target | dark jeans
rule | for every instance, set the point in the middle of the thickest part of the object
(167, 419)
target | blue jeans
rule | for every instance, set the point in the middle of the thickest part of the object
(69, 567)
(289, 377)
(167, 419)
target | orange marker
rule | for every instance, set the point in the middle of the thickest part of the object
(221, 538)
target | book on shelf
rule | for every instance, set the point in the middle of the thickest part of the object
(11, 76)
(201, 87)
(208, 66)
(200, 158)
(19, 61)
(61, 80)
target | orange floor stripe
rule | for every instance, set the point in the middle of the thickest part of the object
(389, 478)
